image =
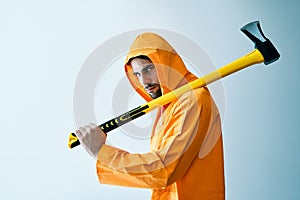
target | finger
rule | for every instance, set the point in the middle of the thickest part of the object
(91, 125)
(82, 131)
(78, 134)
(88, 126)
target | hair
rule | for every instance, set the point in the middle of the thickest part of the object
(139, 56)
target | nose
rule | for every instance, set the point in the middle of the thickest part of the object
(144, 79)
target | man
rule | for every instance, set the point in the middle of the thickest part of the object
(186, 156)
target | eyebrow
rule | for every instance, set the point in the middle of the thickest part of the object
(150, 65)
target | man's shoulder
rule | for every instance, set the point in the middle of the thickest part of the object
(195, 94)
(192, 98)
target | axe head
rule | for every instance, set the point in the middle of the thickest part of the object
(263, 44)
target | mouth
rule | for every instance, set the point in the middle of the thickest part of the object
(152, 88)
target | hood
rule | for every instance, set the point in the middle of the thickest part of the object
(171, 71)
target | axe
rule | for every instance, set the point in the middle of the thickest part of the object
(264, 52)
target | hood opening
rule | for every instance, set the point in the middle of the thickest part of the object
(171, 71)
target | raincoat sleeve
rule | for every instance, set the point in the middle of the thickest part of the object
(183, 133)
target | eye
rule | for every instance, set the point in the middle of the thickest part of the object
(148, 68)
(136, 74)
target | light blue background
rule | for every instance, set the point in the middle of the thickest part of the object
(44, 43)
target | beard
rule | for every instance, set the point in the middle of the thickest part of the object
(154, 94)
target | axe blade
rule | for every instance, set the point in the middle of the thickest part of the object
(261, 42)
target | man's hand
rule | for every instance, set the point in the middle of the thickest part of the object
(92, 138)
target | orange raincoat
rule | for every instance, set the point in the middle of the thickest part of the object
(186, 153)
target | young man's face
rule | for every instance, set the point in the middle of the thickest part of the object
(145, 71)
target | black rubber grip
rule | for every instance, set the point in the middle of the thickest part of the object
(123, 119)
(117, 122)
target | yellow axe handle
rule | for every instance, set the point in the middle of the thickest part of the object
(252, 58)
